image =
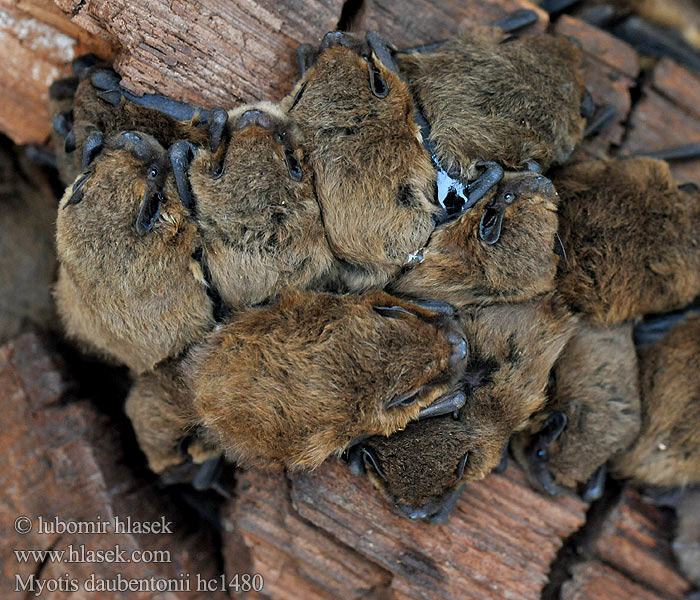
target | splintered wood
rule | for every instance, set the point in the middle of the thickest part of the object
(65, 463)
(498, 543)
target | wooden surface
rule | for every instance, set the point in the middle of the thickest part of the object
(38, 43)
(63, 459)
(332, 534)
(593, 581)
(634, 539)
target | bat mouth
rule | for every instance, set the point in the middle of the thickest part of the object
(436, 512)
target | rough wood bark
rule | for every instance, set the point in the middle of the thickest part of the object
(667, 115)
(207, 51)
(635, 539)
(593, 580)
(332, 534)
(67, 461)
(610, 71)
(38, 43)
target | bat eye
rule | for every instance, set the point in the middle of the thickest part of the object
(153, 172)
(542, 454)
(509, 197)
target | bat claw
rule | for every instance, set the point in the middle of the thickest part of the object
(449, 404)
(181, 155)
(595, 486)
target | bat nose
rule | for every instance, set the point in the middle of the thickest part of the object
(254, 116)
(538, 184)
(132, 137)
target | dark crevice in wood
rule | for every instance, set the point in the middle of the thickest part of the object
(577, 546)
(636, 96)
(345, 548)
(350, 15)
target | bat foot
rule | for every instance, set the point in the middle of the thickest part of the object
(603, 116)
(84, 65)
(63, 122)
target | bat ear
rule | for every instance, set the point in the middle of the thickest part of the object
(552, 427)
(77, 194)
(490, 225)
(92, 147)
(149, 211)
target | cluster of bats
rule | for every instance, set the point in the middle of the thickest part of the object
(377, 266)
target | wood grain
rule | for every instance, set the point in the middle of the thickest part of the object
(66, 461)
(635, 539)
(498, 543)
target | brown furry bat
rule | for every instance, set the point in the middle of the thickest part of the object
(373, 178)
(630, 235)
(500, 250)
(129, 286)
(27, 255)
(491, 97)
(667, 450)
(596, 389)
(594, 386)
(91, 105)
(255, 206)
(512, 348)
(160, 408)
(297, 381)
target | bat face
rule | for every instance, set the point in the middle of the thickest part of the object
(257, 210)
(667, 450)
(594, 386)
(300, 380)
(373, 177)
(609, 211)
(500, 250)
(128, 285)
(511, 351)
(492, 97)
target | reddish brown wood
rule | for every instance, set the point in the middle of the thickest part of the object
(334, 530)
(297, 559)
(635, 538)
(594, 580)
(678, 85)
(66, 461)
(38, 43)
(208, 51)
(610, 69)
(657, 122)
(423, 21)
